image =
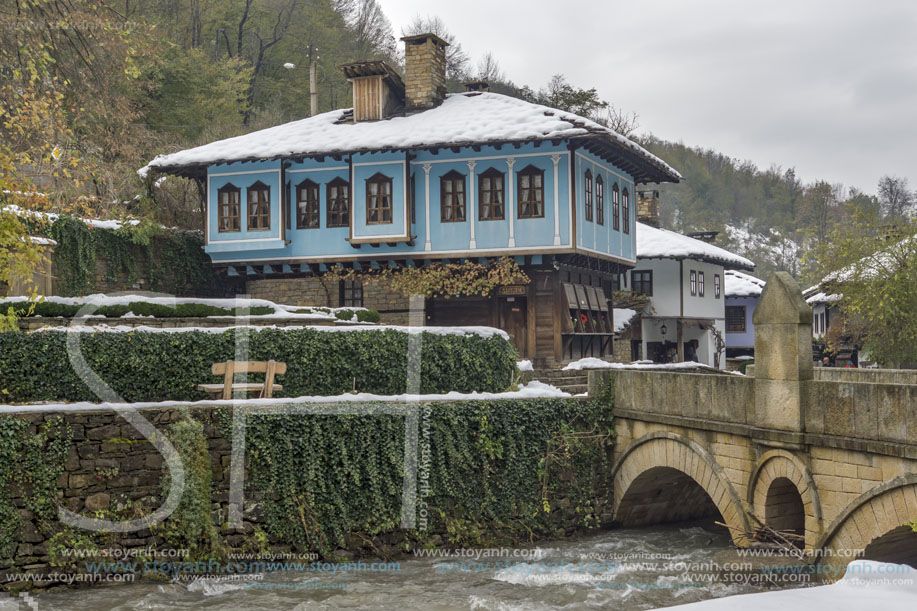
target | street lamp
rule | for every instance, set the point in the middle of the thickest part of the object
(663, 329)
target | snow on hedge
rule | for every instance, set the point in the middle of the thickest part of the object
(462, 119)
(655, 243)
(866, 585)
(525, 365)
(280, 310)
(485, 332)
(739, 284)
(51, 217)
(532, 390)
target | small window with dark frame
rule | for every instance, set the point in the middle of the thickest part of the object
(717, 286)
(642, 282)
(351, 294)
(338, 203)
(599, 200)
(735, 319)
(615, 208)
(625, 210)
(259, 207)
(307, 205)
(588, 192)
(693, 283)
(531, 193)
(700, 284)
(229, 198)
(452, 197)
(379, 200)
(491, 195)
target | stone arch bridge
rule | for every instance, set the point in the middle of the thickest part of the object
(830, 454)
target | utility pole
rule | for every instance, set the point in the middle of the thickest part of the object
(313, 88)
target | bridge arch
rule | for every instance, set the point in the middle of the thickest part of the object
(782, 491)
(872, 526)
(666, 460)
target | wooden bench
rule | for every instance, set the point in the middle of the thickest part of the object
(229, 369)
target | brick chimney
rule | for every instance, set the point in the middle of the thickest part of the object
(648, 207)
(424, 72)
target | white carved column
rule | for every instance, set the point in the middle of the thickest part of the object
(511, 199)
(426, 202)
(555, 159)
(470, 209)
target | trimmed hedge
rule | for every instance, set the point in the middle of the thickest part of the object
(149, 366)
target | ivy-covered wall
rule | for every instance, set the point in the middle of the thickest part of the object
(143, 257)
(489, 473)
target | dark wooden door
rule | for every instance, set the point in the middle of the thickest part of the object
(513, 321)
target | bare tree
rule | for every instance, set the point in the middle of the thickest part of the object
(373, 30)
(894, 197)
(456, 58)
(618, 120)
(489, 70)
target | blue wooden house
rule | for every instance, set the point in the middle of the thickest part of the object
(410, 176)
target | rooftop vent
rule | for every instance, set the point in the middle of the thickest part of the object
(378, 91)
(479, 85)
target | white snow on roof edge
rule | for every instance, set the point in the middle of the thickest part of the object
(656, 243)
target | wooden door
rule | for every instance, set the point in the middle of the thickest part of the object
(513, 321)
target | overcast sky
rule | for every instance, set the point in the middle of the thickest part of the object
(827, 87)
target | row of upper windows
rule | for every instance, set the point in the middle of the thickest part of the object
(453, 202)
(642, 282)
(620, 203)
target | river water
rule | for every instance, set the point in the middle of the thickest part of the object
(617, 569)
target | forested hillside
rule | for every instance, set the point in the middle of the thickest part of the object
(90, 90)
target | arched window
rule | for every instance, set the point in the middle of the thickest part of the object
(452, 197)
(379, 200)
(491, 195)
(531, 193)
(307, 205)
(615, 208)
(338, 203)
(259, 207)
(229, 199)
(599, 200)
(588, 195)
(625, 210)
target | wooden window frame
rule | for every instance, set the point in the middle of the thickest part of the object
(641, 281)
(616, 208)
(350, 293)
(448, 201)
(537, 200)
(600, 200)
(383, 181)
(717, 286)
(588, 196)
(625, 210)
(731, 321)
(491, 174)
(229, 188)
(308, 209)
(335, 217)
(693, 283)
(256, 213)
(701, 285)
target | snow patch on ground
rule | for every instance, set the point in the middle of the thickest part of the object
(866, 585)
(594, 363)
(532, 390)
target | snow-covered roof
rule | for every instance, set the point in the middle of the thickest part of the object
(655, 243)
(823, 297)
(739, 284)
(462, 119)
(622, 318)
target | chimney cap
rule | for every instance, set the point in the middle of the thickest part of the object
(421, 38)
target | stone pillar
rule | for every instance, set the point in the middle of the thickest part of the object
(783, 355)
